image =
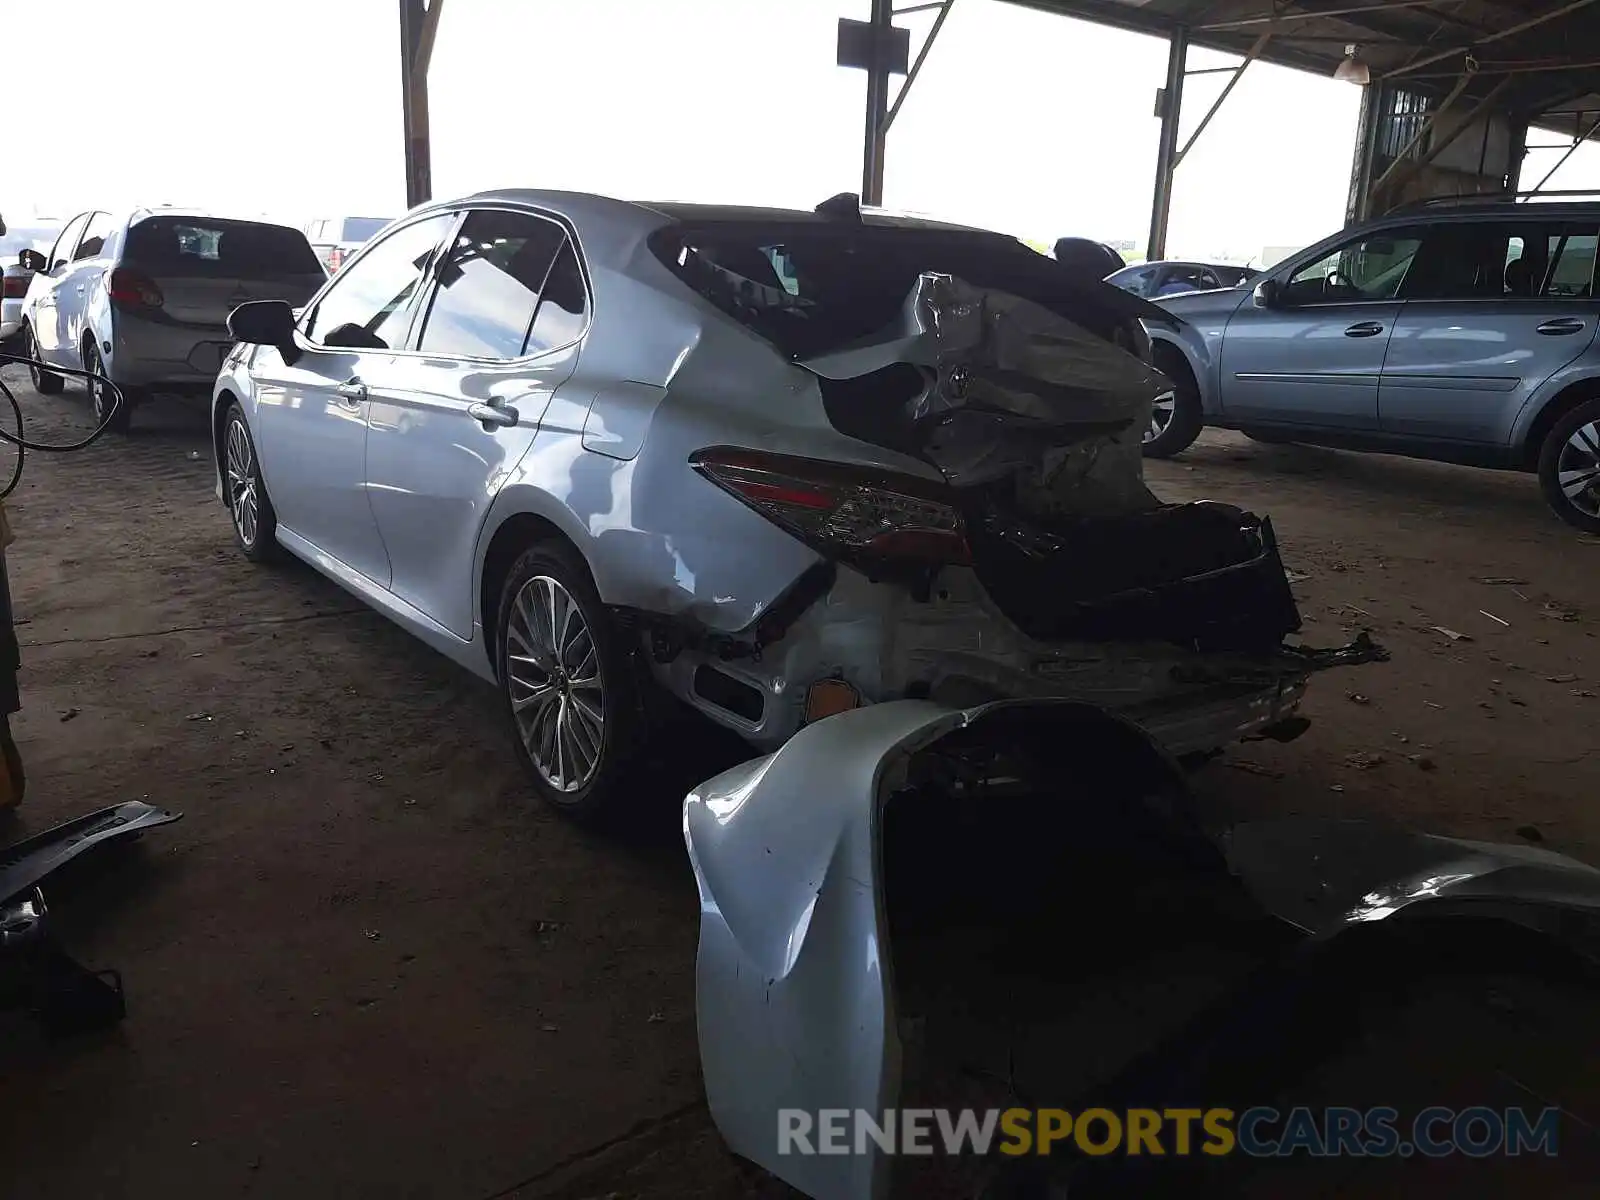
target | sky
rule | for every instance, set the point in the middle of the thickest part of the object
(1020, 121)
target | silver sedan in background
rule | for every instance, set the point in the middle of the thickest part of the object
(775, 464)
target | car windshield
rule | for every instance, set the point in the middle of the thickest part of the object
(206, 246)
(807, 287)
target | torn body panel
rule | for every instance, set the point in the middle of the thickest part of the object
(813, 992)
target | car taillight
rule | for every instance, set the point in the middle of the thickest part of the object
(16, 287)
(133, 289)
(872, 519)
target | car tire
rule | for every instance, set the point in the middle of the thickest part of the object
(255, 523)
(46, 383)
(1176, 420)
(571, 683)
(1569, 467)
(115, 417)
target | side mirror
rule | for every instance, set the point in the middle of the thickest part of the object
(31, 260)
(1268, 294)
(262, 323)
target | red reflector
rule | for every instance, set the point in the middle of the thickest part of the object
(16, 287)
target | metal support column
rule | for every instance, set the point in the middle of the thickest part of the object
(1169, 109)
(419, 21)
(1374, 101)
(875, 136)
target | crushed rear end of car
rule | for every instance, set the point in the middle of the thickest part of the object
(1026, 556)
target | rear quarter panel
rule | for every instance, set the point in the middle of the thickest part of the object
(661, 375)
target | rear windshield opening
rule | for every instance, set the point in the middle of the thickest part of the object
(807, 289)
(210, 247)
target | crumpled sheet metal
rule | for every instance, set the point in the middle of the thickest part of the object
(1008, 377)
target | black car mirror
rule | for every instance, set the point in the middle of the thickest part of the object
(262, 323)
(1267, 294)
(31, 260)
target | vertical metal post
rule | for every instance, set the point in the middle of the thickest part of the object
(418, 22)
(1369, 131)
(1167, 154)
(1519, 155)
(876, 132)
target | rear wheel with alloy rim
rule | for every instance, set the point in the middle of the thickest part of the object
(255, 525)
(107, 404)
(46, 383)
(1569, 467)
(570, 683)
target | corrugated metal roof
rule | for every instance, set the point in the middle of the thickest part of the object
(1550, 49)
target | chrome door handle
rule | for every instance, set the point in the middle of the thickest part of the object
(1560, 326)
(1364, 329)
(352, 392)
(492, 414)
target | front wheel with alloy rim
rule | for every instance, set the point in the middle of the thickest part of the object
(1569, 467)
(111, 410)
(46, 383)
(255, 525)
(1175, 418)
(570, 682)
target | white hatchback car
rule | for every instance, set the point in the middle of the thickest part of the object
(144, 299)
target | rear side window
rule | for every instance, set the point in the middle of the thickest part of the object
(564, 306)
(489, 285)
(375, 295)
(201, 246)
(94, 237)
(1496, 260)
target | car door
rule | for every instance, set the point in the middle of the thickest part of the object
(311, 415)
(44, 299)
(500, 332)
(1312, 352)
(77, 286)
(1493, 308)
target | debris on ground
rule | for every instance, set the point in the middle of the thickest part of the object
(199, 716)
(372, 935)
(656, 1018)
(1451, 633)
(1502, 581)
(1423, 762)
(1250, 768)
(1431, 704)
(1561, 679)
(1364, 760)
(1529, 833)
(1357, 698)
(1485, 612)
(1296, 576)
(1560, 612)
(68, 713)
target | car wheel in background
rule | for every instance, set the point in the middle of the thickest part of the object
(1569, 467)
(1175, 418)
(102, 398)
(255, 524)
(46, 383)
(571, 685)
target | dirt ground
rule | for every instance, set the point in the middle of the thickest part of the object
(363, 965)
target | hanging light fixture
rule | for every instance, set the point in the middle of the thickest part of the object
(1351, 69)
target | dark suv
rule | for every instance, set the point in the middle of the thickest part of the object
(1458, 331)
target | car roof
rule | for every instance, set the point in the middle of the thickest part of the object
(1492, 209)
(691, 213)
